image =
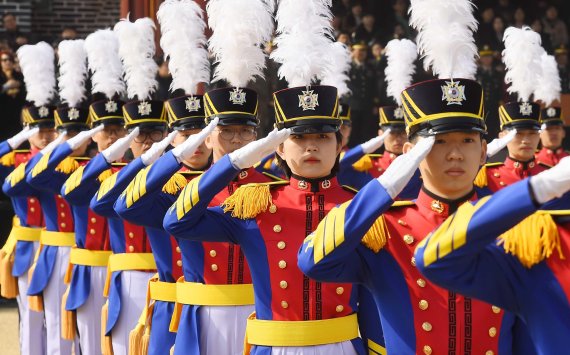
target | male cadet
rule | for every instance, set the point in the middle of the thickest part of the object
(551, 137)
(488, 250)
(37, 63)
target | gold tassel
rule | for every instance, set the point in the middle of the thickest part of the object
(106, 342)
(135, 337)
(36, 303)
(363, 164)
(246, 345)
(8, 283)
(172, 349)
(68, 274)
(8, 159)
(533, 240)
(68, 319)
(248, 201)
(175, 184)
(105, 174)
(145, 340)
(481, 178)
(67, 166)
(377, 235)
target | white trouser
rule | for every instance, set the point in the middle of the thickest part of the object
(32, 327)
(89, 314)
(343, 348)
(53, 293)
(133, 299)
(222, 329)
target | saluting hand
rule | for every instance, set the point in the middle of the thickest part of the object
(187, 149)
(247, 156)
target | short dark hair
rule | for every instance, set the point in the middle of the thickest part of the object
(6, 14)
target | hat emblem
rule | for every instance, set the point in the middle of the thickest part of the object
(73, 114)
(111, 106)
(144, 108)
(551, 112)
(237, 96)
(308, 100)
(192, 104)
(399, 113)
(43, 111)
(453, 93)
(525, 109)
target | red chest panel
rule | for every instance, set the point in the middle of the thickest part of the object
(500, 176)
(561, 268)
(224, 263)
(136, 239)
(444, 321)
(550, 157)
(295, 214)
(35, 217)
(64, 216)
(380, 164)
(97, 236)
(176, 259)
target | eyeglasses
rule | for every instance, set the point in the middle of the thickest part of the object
(114, 131)
(6, 60)
(155, 135)
(246, 134)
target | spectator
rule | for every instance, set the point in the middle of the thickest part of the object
(561, 55)
(367, 31)
(400, 8)
(555, 28)
(485, 33)
(378, 63)
(363, 100)
(344, 37)
(354, 18)
(491, 79)
(505, 10)
(519, 18)
(164, 80)
(336, 24)
(12, 96)
(12, 34)
(68, 33)
(496, 40)
(545, 39)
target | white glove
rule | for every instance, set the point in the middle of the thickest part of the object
(499, 143)
(22, 136)
(552, 183)
(399, 173)
(248, 155)
(50, 147)
(375, 143)
(82, 137)
(187, 149)
(157, 149)
(117, 150)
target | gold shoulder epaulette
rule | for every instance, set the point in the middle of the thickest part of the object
(363, 164)
(489, 165)
(8, 159)
(377, 235)
(375, 155)
(481, 178)
(176, 183)
(118, 164)
(349, 188)
(274, 177)
(397, 204)
(191, 172)
(250, 200)
(21, 151)
(67, 166)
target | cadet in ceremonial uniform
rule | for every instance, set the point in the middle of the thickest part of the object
(488, 250)
(551, 137)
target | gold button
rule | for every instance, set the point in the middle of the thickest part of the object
(339, 290)
(179, 263)
(497, 175)
(92, 231)
(402, 223)
(32, 200)
(421, 282)
(214, 267)
(178, 250)
(339, 308)
(282, 264)
(63, 225)
(131, 248)
(427, 350)
(62, 214)
(131, 235)
(93, 219)
(495, 309)
(32, 209)
(277, 228)
(489, 352)
(283, 284)
(426, 326)
(272, 209)
(213, 253)
(413, 261)
(281, 245)
(423, 305)
(408, 239)
(501, 183)
(492, 332)
(284, 304)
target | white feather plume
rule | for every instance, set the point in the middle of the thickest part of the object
(102, 49)
(445, 39)
(37, 64)
(401, 53)
(183, 42)
(137, 49)
(522, 56)
(72, 71)
(549, 87)
(239, 27)
(337, 65)
(304, 35)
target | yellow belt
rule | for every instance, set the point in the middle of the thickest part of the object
(128, 261)
(87, 257)
(162, 291)
(214, 295)
(57, 239)
(301, 333)
(26, 234)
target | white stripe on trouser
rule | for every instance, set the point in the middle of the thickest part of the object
(343, 348)
(89, 314)
(53, 293)
(222, 329)
(32, 330)
(133, 299)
